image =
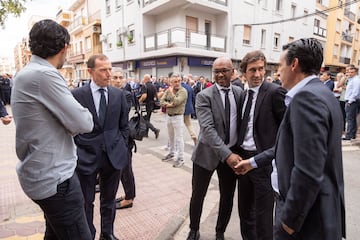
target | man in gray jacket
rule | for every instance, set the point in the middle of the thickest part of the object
(47, 117)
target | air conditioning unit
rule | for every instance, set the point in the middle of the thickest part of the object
(103, 38)
(96, 29)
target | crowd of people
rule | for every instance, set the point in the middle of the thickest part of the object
(277, 139)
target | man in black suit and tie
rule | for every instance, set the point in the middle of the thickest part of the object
(262, 112)
(326, 79)
(104, 151)
(218, 116)
(309, 185)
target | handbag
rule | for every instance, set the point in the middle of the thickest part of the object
(157, 105)
(138, 128)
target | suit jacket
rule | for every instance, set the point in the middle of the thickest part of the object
(189, 107)
(309, 163)
(269, 111)
(210, 111)
(112, 138)
(330, 84)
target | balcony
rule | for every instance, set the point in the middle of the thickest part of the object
(350, 15)
(155, 7)
(346, 37)
(184, 38)
(76, 58)
(319, 31)
(77, 25)
(344, 60)
(95, 18)
(63, 18)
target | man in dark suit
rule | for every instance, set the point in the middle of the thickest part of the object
(262, 112)
(310, 185)
(104, 151)
(326, 79)
(218, 116)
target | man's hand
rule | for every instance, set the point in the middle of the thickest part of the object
(233, 160)
(6, 120)
(243, 167)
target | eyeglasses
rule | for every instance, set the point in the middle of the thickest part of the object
(223, 71)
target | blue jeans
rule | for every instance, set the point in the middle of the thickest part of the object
(64, 212)
(351, 113)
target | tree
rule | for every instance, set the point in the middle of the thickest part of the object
(7, 7)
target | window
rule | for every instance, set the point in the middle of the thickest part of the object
(293, 10)
(131, 34)
(108, 41)
(338, 25)
(306, 13)
(276, 40)
(316, 22)
(278, 5)
(88, 44)
(119, 42)
(107, 6)
(247, 34)
(263, 38)
(336, 49)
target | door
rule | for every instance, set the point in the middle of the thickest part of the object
(192, 25)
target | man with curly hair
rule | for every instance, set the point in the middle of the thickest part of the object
(47, 116)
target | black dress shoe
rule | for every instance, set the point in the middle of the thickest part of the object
(220, 236)
(107, 237)
(193, 235)
(157, 131)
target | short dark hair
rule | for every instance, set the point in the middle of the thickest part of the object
(251, 57)
(91, 61)
(47, 38)
(308, 51)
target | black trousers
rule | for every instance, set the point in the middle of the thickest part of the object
(64, 212)
(147, 118)
(128, 180)
(109, 182)
(255, 201)
(200, 182)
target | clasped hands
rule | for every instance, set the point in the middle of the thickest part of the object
(238, 165)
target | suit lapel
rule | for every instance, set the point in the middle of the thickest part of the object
(219, 102)
(89, 102)
(259, 99)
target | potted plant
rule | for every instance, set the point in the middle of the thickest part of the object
(119, 44)
(130, 38)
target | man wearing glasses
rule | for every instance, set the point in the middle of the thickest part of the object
(218, 115)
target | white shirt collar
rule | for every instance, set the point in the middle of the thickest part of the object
(293, 91)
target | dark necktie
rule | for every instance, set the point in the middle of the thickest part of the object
(102, 106)
(227, 115)
(245, 118)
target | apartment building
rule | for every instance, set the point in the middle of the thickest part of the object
(343, 31)
(162, 36)
(83, 21)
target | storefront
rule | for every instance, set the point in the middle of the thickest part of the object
(201, 66)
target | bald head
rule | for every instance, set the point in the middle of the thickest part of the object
(146, 78)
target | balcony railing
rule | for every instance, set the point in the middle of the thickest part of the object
(180, 37)
(95, 17)
(349, 14)
(79, 21)
(344, 60)
(76, 58)
(222, 2)
(347, 37)
(319, 31)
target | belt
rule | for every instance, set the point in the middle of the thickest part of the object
(171, 115)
